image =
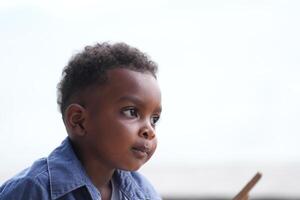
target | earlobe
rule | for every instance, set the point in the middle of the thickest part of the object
(75, 118)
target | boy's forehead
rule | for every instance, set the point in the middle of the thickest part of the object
(121, 77)
(125, 72)
(125, 82)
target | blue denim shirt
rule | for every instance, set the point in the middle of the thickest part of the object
(61, 176)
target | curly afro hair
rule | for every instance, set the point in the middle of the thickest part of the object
(89, 67)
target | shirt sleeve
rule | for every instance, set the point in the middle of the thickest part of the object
(23, 189)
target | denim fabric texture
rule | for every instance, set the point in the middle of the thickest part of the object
(61, 176)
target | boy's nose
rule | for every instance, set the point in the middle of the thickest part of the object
(147, 133)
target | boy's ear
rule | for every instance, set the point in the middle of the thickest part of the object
(75, 116)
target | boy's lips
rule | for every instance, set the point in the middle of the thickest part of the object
(141, 150)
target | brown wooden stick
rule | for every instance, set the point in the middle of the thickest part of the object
(244, 192)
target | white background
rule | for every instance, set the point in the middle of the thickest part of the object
(229, 73)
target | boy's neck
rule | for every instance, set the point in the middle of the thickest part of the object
(100, 177)
(99, 174)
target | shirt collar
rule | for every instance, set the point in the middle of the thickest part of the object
(128, 186)
(66, 173)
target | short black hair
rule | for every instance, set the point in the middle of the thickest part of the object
(89, 67)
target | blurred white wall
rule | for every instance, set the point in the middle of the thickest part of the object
(229, 72)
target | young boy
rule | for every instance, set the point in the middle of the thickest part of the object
(110, 103)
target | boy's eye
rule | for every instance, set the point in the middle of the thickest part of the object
(130, 112)
(154, 119)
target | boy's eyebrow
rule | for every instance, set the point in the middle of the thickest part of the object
(137, 101)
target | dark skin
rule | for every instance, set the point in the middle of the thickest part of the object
(114, 125)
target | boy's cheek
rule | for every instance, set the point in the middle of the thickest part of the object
(127, 126)
(154, 145)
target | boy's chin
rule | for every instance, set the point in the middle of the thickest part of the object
(132, 167)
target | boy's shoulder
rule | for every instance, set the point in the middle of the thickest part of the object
(33, 180)
(48, 178)
(37, 171)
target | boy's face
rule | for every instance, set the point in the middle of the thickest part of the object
(120, 119)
